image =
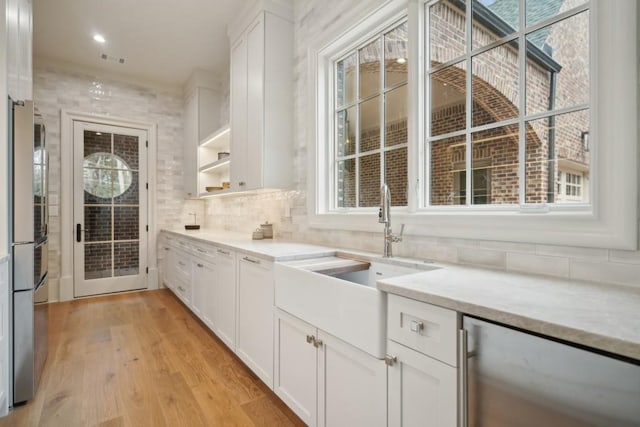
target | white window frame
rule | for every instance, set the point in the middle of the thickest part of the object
(612, 219)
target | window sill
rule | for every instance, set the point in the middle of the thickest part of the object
(573, 227)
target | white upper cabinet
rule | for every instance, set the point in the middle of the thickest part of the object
(19, 49)
(262, 98)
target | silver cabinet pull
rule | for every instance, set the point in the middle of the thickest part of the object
(220, 251)
(462, 378)
(254, 261)
(202, 251)
(200, 265)
(416, 326)
(182, 263)
(390, 360)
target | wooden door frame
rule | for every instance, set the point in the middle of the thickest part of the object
(67, 118)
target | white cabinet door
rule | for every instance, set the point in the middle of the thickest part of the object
(295, 380)
(239, 120)
(254, 342)
(224, 298)
(190, 158)
(166, 265)
(255, 103)
(422, 390)
(19, 49)
(203, 286)
(352, 385)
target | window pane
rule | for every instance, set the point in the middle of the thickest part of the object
(395, 175)
(447, 170)
(495, 166)
(395, 112)
(346, 185)
(396, 56)
(97, 261)
(493, 20)
(370, 180)
(96, 142)
(537, 11)
(447, 32)
(126, 223)
(126, 187)
(346, 132)
(370, 65)
(448, 99)
(97, 223)
(556, 149)
(98, 186)
(125, 147)
(346, 80)
(495, 84)
(370, 125)
(126, 259)
(565, 48)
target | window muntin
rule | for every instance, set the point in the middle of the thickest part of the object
(370, 125)
(535, 100)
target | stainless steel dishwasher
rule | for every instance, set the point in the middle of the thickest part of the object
(517, 379)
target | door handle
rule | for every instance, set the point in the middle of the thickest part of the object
(78, 233)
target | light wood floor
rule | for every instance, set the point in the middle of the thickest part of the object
(142, 359)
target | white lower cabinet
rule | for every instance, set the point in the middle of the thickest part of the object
(422, 350)
(295, 377)
(224, 297)
(326, 381)
(254, 335)
(203, 290)
(422, 390)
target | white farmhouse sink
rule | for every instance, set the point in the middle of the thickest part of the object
(327, 293)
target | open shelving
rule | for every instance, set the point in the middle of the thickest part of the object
(214, 170)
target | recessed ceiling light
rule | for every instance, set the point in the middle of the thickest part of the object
(401, 61)
(99, 38)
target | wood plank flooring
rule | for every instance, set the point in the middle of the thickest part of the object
(143, 359)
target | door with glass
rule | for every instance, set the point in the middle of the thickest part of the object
(110, 209)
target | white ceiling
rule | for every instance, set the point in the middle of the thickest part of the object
(162, 41)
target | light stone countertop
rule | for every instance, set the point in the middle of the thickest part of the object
(268, 249)
(605, 317)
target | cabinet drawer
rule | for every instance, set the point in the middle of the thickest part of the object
(183, 267)
(183, 291)
(426, 328)
(204, 251)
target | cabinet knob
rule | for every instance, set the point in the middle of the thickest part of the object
(310, 339)
(417, 326)
(390, 360)
(200, 265)
(242, 183)
(316, 342)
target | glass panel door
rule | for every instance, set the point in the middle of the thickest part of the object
(110, 253)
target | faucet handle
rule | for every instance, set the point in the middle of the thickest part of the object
(398, 237)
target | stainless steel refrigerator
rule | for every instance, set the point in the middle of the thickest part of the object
(29, 249)
(516, 379)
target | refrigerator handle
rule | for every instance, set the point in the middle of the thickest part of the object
(463, 420)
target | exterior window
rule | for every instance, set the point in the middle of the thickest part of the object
(370, 124)
(509, 89)
(572, 187)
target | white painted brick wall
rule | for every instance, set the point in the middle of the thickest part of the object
(55, 89)
(315, 19)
